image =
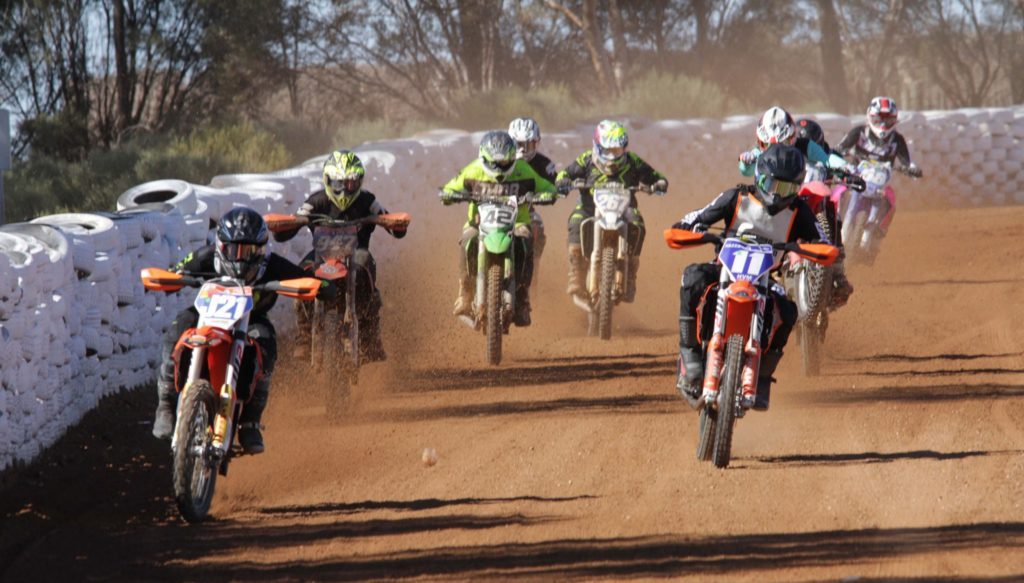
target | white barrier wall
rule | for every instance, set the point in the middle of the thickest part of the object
(76, 324)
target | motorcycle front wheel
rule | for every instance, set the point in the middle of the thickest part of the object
(728, 401)
(605, 303)
(494, 326)
(195, 473)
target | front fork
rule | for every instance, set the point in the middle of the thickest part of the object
(228, 405)
(508, 294)
(716, 350)
(622, 252)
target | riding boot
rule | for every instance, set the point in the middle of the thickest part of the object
(249, 435)
(842, 288)
(522, 316)
(634, 266)
(577, 271)
(464, 301)
(167, 402)
(691, 361)
(769, 362)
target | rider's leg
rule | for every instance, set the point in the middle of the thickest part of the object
(369, 304)
(842, 288)
(636, 233)
(890, 212)
(166, 392)
(577, 262)
(467, 271)
(250, 436)
(697, 278)
(775, 334)
(523, 253)
(540, 239)
(303, 317)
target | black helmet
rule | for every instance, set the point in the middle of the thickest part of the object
(241, 249)
(808, 128)
(778, 175)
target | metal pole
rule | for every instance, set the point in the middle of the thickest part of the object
(5, 155)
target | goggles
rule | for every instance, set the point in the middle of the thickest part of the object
(526, 148)
(499, 166)
(240, 251)
(609, 154)
(883, 122)
(780, 188)
(346, 184)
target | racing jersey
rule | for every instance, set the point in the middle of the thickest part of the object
(522, 179)
(364, 205)
(811, 151)
(277, 268)
(632, 172)
(859, 145)
(739, 207)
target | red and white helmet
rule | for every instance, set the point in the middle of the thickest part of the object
(775, 127)
(882, 116)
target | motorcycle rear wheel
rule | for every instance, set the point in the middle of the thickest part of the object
(194, 473)
(494, 326)
(728, 401)
(604, 297)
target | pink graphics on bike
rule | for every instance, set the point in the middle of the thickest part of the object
(890, 195)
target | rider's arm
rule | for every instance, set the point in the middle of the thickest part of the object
(720, 209)
(748, 169)
(902, 151)
(317, 203)
(543, 165)
(198, 261)
(806, 226)
(456, 185)
(543, 189)
(849, 140)
(643, 172)
(378, 209)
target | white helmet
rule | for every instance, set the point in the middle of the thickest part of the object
(882, 117)
(526, 132)
(775, 127)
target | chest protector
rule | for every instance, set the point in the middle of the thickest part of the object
(752, 217)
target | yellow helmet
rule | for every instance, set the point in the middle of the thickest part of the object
(343, 177)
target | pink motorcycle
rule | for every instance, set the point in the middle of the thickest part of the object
(868, 214)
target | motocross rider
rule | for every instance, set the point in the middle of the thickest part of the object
(241, 252)
(607, 161)
(776, 126)
(343, 198)
(497, 171)
(770, 209)
(877, 140)
(526, 132)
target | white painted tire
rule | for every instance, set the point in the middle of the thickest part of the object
(177, 193)
(99, 229)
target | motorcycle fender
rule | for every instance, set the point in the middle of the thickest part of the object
(498, 242)
(331, 270)
(610, 222)
(207, 336)
(741, 301)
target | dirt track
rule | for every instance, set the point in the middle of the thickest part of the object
(574, 459)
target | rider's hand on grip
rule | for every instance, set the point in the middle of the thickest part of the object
(660, 187)
(914, 171)
(750, 156)
(856, 182)
(328, 291)
(564, 186)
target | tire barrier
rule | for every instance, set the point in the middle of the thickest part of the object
(76, 325)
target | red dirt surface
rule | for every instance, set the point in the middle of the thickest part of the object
(575, 458)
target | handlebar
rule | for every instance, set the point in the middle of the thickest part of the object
(818, 252)
(278, 223)
(154, 279)
(516, 200)
(580, 183)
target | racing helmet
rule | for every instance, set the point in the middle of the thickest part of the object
(778, 176)
(526, 132)
(882, 117)
(610, 143)
(343, 177)
(498, 153)
(775, 127)
(241, 247)
(810, 129)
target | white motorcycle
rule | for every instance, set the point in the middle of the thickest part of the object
(605, 242)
